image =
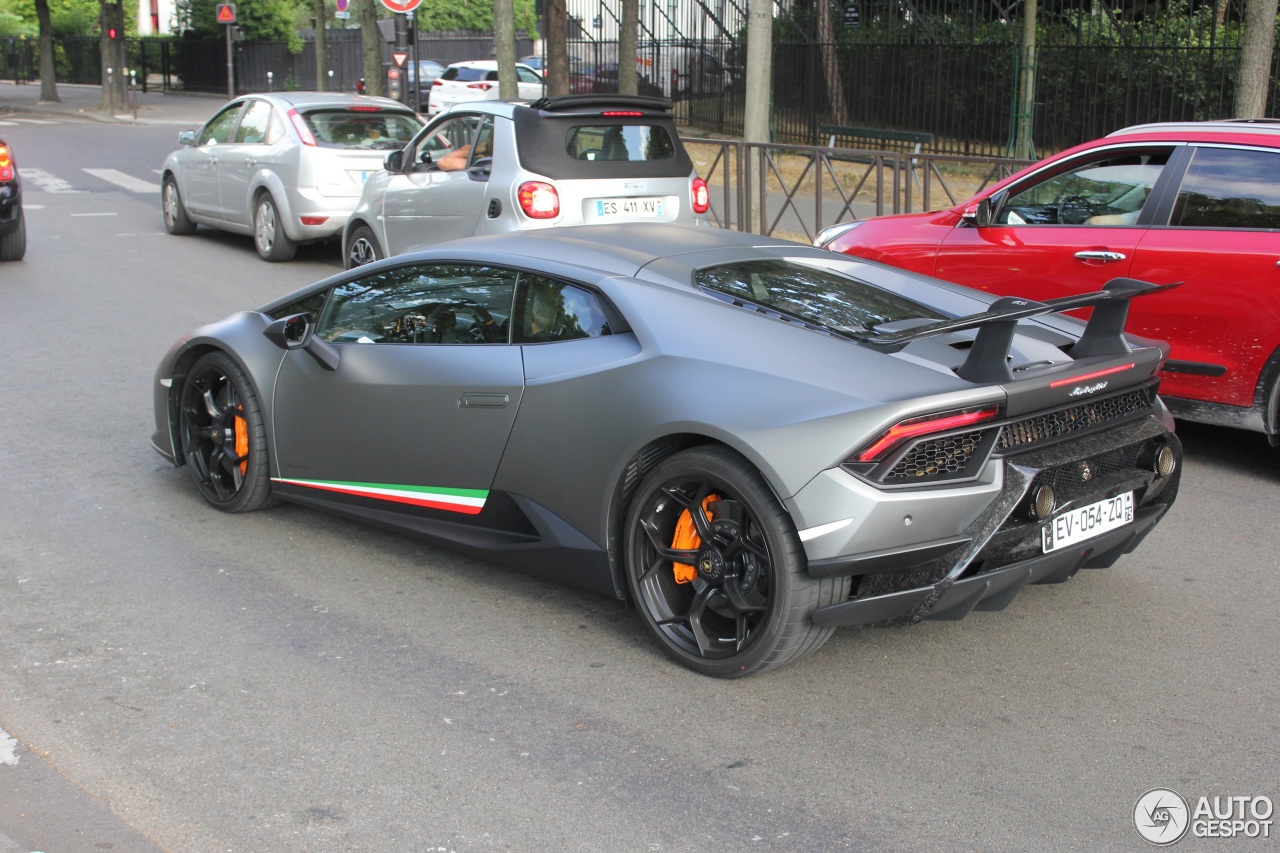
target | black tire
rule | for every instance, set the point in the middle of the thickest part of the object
(268, 231)
(14, 244)
(222, 437)
(176, 220)
(362, 248)
(749, 607)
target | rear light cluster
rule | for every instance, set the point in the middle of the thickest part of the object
(930, 448)
(483, 87)
(6, 164)
(539, 200)
(700, 196)
(300, 125)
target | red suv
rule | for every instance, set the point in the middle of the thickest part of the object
(1196, 202)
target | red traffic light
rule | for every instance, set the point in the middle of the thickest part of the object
(113, 33)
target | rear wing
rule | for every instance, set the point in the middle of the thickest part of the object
(594, 103)
(988, 359)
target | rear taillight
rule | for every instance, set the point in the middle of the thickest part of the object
(6, 164)
(300, 125)
(313, 220)
(699, 195)
(539, 200)
(622, 113)
(437, 82)
(912, 428)
(483, 87)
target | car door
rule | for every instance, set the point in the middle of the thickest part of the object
(1219, 233)
(240, 158)
(427, 204)
(418, 409)
(1068, 229)
(529, 83)
(201, 166)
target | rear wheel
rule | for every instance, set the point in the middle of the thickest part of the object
(176, 220)
(362, 248)
(223, 439)
(14, 244)
(716, 569)
(268, 231)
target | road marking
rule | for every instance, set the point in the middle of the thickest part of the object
(109, 213)
(48, 182)
(129, 182)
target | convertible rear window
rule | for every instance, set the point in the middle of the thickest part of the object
(366, 128)
(820, 297)
(468, 75)
(619, 142)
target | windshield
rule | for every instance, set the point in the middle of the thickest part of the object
(835, 302)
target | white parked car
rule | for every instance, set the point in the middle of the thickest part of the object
(477, 80)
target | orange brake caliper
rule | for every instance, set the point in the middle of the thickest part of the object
(242, 441)
(687, 539)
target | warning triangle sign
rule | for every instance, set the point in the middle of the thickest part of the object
(226, 13)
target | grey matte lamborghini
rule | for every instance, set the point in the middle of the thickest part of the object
(753, 440)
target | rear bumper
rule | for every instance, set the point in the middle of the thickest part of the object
(992, 590)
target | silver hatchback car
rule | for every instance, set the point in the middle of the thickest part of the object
(285, 167)
(490, 167)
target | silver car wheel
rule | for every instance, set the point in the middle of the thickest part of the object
(268, 232)
(175, 214)
(362, 248)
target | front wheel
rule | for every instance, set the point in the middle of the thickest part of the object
(176, 220)
(223, 439)
(268, 231)
(362, 248)
(716, 569)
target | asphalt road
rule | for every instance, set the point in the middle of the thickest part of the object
(288, 681)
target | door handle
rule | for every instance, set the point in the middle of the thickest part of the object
(1100, 255)
(483, 401)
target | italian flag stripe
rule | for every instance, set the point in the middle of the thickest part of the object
(468, 501)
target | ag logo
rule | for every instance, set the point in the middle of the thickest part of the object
(1161, 816)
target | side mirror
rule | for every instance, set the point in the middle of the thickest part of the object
(298, 332)
(187, 137)
(394, 162)
(987, 211)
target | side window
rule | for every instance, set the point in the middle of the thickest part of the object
(1230, 188)
(255, 123)
(1107, 191)
(525, 75)
(422, 304)
(549, 310)
(453, 137)
(219, 127)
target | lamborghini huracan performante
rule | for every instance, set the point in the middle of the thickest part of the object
(752, 440)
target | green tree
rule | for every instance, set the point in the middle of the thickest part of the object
(471, 16)
(263, 20)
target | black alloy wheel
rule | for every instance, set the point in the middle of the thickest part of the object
(746, 602)
(223, 439)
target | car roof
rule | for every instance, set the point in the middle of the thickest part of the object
(328, 99)
(1256, 130)
(486, 64)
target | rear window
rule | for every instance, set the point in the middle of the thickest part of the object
(820, 297)
(379, 129)
(620, 142)
(591, 145)
(467, 75)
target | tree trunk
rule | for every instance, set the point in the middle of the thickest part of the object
(318, 9)
(755, 122)
(1257, 42)
(831, 64)
(111, 15)
(504, 42)
(48, 70)
(557, 38)
(1021, 145)
(628, 84)
(371, 47)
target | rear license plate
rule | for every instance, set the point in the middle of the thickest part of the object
(628, 208)
(1087, 522)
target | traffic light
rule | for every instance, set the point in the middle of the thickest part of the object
(113, 19)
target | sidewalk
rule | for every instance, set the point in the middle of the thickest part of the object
(179, 110)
